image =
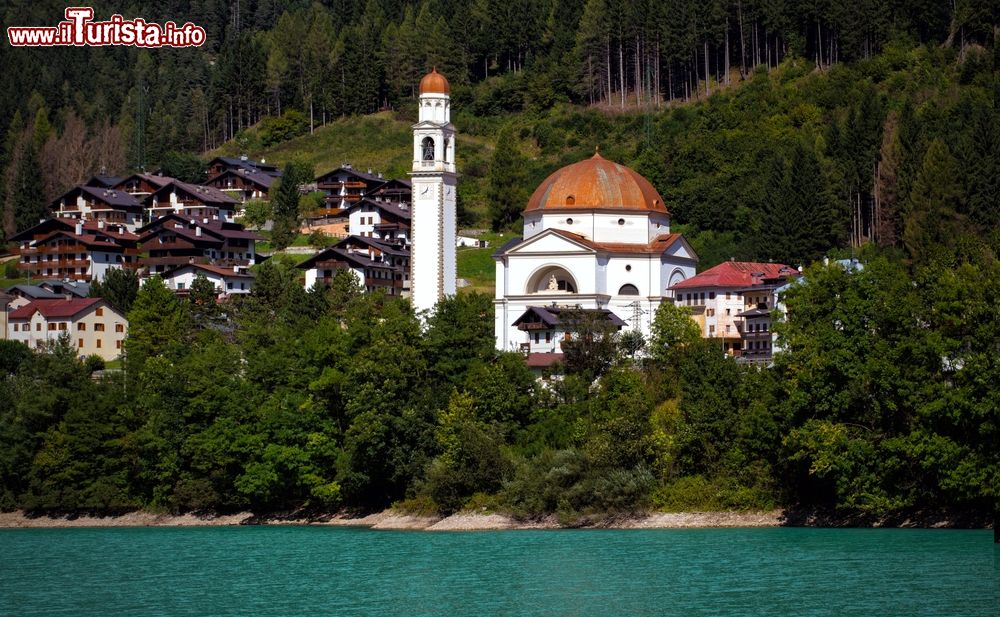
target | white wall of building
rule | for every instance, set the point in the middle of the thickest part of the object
(100, 331)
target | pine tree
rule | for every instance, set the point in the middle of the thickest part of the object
(935, 202)
(286, 203)
(506, 193)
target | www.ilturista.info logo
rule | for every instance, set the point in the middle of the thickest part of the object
(79, 29)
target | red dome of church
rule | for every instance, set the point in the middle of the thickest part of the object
(434, 83)
(596, 184)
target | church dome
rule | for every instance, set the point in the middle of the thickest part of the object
(595, 184)
(434, 83)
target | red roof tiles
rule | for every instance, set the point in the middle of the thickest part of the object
(55, 308)
(737, 274)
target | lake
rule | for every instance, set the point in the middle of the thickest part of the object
(350, 571)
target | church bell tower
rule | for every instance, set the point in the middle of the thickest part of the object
(434, 181)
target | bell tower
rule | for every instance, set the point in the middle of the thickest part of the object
(434, 181)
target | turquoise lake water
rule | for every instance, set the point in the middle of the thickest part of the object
(337, 571)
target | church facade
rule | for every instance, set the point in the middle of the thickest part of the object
(596, 240)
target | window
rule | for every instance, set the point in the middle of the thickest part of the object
(628, 290)
(98, 327)
(621, 221)
(180, 286)
(62, 326)
(118, 344)
(628, 268)
(711, 330)
(99, 312)
(569, 221)
(229, 285)
(728, 311)
(728, 294)
(119, 327)
(79, 343)
(711, 295)
(98, 343)
(728, 328)
(52, 326)
(16, 327)
(38, 327)
(548, 337)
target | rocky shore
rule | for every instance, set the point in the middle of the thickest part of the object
(482, 521)
(391, 519)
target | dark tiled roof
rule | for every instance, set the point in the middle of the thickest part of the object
(386, 248)
(219, 229)
(554, 316)
(249, 164)
(154, 179)
(206, 194)
(227, 272)
(113, 197)
(103, 181)
(80, 289)
(260, 178)
(393, 209)
(352, 172)
(509, 244)
(88, 239)
(47, 226)
(33, 291)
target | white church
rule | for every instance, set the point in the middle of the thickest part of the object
(596, 239)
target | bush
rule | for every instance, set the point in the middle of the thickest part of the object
(290, 124)
(320, 239)
(93, 363)
(567, 483)
(700, 494)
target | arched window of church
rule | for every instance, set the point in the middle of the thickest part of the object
(428, 149)
(628, 289)
(551, 280)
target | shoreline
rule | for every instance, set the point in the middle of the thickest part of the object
(395, 520)
(475, 521)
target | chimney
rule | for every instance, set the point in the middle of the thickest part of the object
(100, 224)
(236, 269)
(204, 221)
(197, 232)
(79, 228)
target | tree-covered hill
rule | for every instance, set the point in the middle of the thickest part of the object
(808, 91)
(787, 165)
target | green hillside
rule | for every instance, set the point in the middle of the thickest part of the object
(789, 165)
